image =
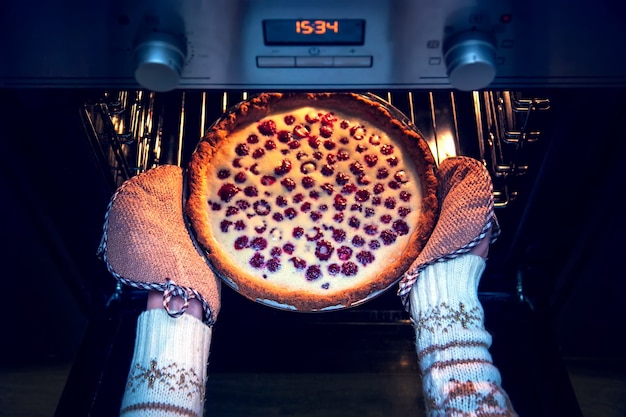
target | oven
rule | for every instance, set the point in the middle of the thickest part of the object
(96, 93)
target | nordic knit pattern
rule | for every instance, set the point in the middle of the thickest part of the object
(459, 377)
(168, 371)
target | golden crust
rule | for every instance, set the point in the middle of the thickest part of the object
(257, 108)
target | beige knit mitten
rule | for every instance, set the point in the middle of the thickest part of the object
(466, 215)
(146, 243)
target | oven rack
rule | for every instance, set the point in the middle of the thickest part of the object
(131, 131)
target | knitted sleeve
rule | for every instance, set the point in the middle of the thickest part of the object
(169, 366)
(458, 374)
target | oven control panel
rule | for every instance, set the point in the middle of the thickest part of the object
(312, 44)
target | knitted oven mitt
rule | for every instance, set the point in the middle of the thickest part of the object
(465, 196)
(147, 245)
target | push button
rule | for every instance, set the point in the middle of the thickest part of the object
(275, 61)
(314, 61)
(353, 61)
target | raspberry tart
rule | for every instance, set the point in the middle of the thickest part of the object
(311, 201)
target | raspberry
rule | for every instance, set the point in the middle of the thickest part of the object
(329, 144)
(362, 196)
(313, 273)
(400, 227)
(363, 179)
(328, 188)
(365, 258)
(273, 265)
(318, 155)
(323, 250)
(300, 131)
(374, 140)
(257, 260)
(315, 215)
(242, 149)
(278, 217)
(371, 229)
(318, 235)
(240, 225)
(255, 169)
(288, 183)
(370, 160)
(258, 153)
(344, 124)
(283, 168)
(290, 213)
(293, 144)
(261, 229)
(401, 177)
(338, 217)
(358, 241)
(252, 139)
(405, 196)
(344, 253)
(216, 206)
(382, 173)
(237, 162)
(312, 118)
(343, 155)
(298, 263)
(323, 207)
(349, 268)
(356, 207)
(376, 201)
(354, 222)
(227, 191)
(267, 128)
(386, 149)
(308, 182)
(339, 235)
(369, 212)
(394, 185)
(379, 188)
(298, 198)
(349, 188)
(385, 218)
(223, 174)
(262, 207)
(289, 120)
(390, 203)
(289, 248)
(331, 158)
(404, 211)
(357, 132)
(392, 161)
(374, 244)
(356, 168)
(240, 177)
(281, 201)
(241, 242)
(267, 180)
(305, 207)
(342, 178)
(314, 194)
(340, 202)
(360, 148)
(231, 211)
(251, 191)
(270, 145)
(388, 237)
(314, 142)
(276, 251)
(334, 269)
(283, 136)
(328, 119)
(258, 243)
(344, 140)
(224, 225)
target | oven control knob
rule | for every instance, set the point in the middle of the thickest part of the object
(159, 61)
(470, 59)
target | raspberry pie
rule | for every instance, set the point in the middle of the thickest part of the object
(311, 202)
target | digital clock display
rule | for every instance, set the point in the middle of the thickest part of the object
(314, 31)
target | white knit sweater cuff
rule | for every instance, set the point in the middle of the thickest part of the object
(169, 366)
